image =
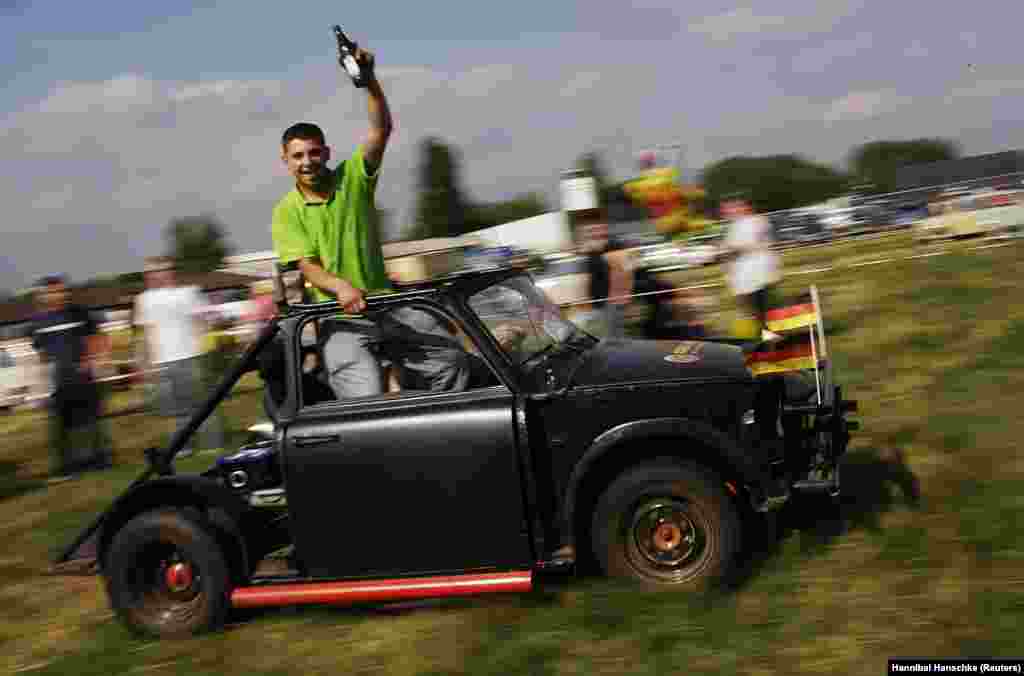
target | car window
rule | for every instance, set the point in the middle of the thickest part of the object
(521, 318)
(428, 353)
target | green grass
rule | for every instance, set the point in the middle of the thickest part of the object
(925, 557)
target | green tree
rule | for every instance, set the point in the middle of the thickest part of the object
(440, 207)
(487, 215)
(197, 244)
(875, 163)
(772, 182)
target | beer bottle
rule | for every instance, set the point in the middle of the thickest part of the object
(347, 58)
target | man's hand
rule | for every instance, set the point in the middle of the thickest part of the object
(365, 60)
(349, 297)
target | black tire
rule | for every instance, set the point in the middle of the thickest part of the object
(154, 601)
(667, 523)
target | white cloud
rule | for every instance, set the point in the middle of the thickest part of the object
(800, 21)
(224, 91)
(130, 153)
(987, 89)
(54, 200)
(582, 82)
(120, 94)
(740, 21)
(860, 105)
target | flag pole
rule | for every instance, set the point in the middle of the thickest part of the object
(821, 334)
(814, 358)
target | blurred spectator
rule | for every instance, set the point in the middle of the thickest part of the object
(69, 338)
(173, 320)
(609, 273)
(678, 315)
(260, 307)
(753, 267)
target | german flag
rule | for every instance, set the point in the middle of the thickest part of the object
(791, 354)
(798, 315)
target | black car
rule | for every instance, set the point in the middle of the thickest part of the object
(647, 456)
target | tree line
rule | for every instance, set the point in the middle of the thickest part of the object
(444, 209)
(771, 183)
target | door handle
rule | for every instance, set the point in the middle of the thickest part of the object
(315, 440)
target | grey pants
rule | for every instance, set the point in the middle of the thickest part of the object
(433, 361)
(180, 391)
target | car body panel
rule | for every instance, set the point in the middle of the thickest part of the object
(614, 362)
(429, 486)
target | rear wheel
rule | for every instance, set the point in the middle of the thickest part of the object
(667, 523)
(166, 576)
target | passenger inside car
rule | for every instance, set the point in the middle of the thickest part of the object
(403, 355)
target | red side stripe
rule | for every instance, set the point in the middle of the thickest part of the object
(380, 590)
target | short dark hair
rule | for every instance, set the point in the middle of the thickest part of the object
(306, 131)
(51, 280)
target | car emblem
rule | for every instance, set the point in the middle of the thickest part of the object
(686, 352)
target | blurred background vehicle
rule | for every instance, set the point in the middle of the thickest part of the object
(12, 391)
(957, 214)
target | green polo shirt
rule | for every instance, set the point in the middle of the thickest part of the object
(341, 232)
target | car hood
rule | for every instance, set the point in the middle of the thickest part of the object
(626, 361)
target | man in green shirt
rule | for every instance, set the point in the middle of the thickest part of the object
(328, 224)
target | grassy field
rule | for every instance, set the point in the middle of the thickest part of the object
(927, 558)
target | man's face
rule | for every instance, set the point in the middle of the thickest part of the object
(306, 160)
(735, 209)
(160, 278)
(593, 234)
(53, 296)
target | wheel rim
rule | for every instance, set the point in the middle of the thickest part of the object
(666, 539)
(166, 587)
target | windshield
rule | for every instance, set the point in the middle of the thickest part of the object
(523, 320)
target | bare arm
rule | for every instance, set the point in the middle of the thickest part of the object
(620, 276)
(380, 117)
(350, 298)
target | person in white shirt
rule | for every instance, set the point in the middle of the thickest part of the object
(172, 317)
(754, 268)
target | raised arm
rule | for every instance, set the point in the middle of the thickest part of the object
(379, 113)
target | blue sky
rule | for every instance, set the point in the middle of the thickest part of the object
(117, 117)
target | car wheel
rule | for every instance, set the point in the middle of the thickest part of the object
(166, 576)
(667, 523)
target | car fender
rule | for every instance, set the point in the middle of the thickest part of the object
(616, 438)
(225, 511)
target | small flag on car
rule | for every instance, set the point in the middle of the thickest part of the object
(792, 353)
(792, 317)
(791, 347)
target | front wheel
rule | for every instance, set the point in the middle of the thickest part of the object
(667, 523)
(166, 576)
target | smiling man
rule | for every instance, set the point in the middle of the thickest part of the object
(328, 224)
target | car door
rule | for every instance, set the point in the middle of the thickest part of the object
(407, 484)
